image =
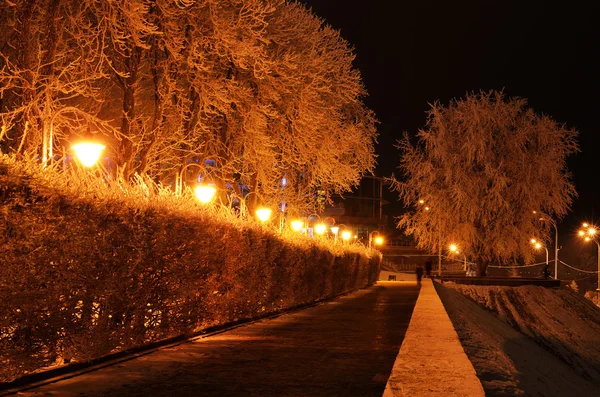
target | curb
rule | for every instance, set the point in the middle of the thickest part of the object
(432, 360)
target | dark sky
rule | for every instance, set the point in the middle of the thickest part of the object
(412, 53)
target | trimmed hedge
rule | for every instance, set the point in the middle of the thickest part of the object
(80, 280)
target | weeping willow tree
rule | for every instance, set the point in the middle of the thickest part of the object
(476, 173)
(243, 93)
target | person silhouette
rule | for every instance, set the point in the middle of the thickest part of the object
(428, 266)
(419, 273)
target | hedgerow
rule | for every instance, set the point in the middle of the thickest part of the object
(90, 267)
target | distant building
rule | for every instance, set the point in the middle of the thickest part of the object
(362, 209)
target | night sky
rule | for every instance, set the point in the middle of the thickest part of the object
(411, 53)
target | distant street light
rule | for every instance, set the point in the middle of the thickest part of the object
(537, 245)
(297, 225)
(544, 219)
(320, 228)
(263, 214)
(88, 153)
(335, 230)
(205, 193)
(454, 249)
(378, 239)
(590, 233)
(347, 235)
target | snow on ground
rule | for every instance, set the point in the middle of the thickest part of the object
(529, 340)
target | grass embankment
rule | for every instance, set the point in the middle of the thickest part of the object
(89, 268)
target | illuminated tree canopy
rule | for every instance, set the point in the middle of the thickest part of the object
(243, 92)
(481, 165)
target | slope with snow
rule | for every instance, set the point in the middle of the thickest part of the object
(529, 340)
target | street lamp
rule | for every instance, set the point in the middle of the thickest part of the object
(263, 214)
(320, 228)
(537, 245)
(335, 230)
(547, 218)
(347, 235)
(454, 249)
(297, 225)
(205, 193)
(88, 153)
(588, 233)
(378, 239)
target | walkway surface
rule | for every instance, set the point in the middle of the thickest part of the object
(345, 347)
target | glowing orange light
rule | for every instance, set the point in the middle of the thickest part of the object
(263, 214)
(205, 193)
(297, 225)
(378, 240)
(320, 228)
(88, 153)
(346, 235)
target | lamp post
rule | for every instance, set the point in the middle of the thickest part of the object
(378, 240)
(454, 249)
(544, 219)
(537, 245)
(589, 232)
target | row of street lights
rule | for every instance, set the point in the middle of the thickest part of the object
(88, 154)
(205, 195)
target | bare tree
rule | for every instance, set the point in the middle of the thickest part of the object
(480, 167)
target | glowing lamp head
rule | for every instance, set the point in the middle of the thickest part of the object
(533, 241)
(378, 240)
(591, 231)
(538, 246)
(335, 230)
(421, 201)
(346, 235)
(587, 239)
(453, 248)
(585, 225)
(205, 193)
(320, 228)
(263, 214)
(297, 225)
(581, 233)
(88, 153)
(427, 208)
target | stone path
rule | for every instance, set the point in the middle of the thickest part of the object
(345, 347)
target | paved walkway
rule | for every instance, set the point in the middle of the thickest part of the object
(346, 347)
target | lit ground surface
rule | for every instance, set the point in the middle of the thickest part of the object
(346, 347)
